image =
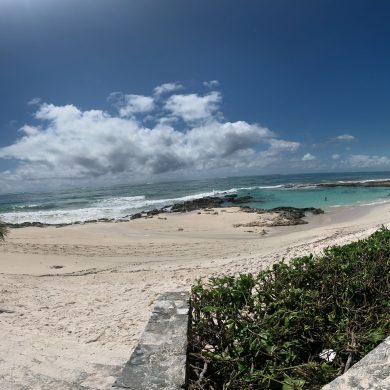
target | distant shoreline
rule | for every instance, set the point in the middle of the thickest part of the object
(123, 203)
(286, 215)
(358, 183)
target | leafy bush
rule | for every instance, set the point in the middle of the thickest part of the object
(267, 331)
(3, 231)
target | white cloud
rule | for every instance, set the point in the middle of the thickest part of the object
(34, 101)
(167, 87)
(193, 107)
(278, 147)
(129, 105)
(211, 84)
(335, 156)
(367, 161)
(70, 144)
(308, 157)
(345, 137)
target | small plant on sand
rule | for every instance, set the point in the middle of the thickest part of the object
(295, 326)
(3, 231)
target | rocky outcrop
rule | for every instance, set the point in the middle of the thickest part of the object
(42, 225)
(31, 224)
(370, 183)
(207, 202)
(235, 199)
(293, 215)
(287, 215)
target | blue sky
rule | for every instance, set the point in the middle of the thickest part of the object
(296, 87)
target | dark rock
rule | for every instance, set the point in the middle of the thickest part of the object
(60, 225)
(6, 311)
(153, 212)
(229, 198)
(293, 215)
(288, 216)
(299, 210)
(238, 199)
(27, 224)
(196, 204)
(371, 183)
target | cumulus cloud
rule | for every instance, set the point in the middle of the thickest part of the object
(129, 105)
(367, 161)
(279, 147)
(167, 88)
(345, 137)
(211, 84)
(68, 143)
(308, 157)
(193, 107)
(34, 101)
(335, 156)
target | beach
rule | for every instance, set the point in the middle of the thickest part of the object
(75, 299)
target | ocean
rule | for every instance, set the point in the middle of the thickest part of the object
(83, 204)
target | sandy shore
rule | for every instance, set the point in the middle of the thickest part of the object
(76, 299)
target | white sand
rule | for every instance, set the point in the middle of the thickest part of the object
(74, 327)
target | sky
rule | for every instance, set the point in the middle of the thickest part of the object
(101, 91)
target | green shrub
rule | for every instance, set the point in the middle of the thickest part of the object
(267, 331)
(3, 231)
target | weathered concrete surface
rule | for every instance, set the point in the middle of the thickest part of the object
(372, 372)
(159, 361)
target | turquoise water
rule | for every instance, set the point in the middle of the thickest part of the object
(319, 197)
(118, 201)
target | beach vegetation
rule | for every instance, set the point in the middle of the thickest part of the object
(297, 325)
(3, 231)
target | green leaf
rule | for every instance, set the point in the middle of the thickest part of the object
(293, 384)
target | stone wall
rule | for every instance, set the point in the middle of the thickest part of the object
(372, 372)
(159, 361)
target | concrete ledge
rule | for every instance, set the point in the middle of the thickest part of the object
(370, 373)
(159, 361)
